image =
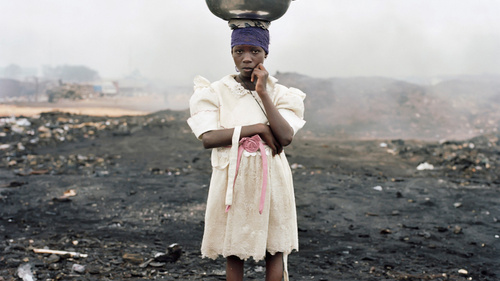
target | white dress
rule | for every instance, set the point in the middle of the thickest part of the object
(242, 231)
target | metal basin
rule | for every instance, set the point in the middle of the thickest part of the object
(267, 10)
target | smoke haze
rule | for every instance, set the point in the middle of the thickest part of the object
(174, 40)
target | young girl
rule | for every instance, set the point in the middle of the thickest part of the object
(247, 119)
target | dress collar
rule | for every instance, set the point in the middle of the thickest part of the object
(238, 89)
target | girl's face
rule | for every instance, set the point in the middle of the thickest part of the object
(247, 57)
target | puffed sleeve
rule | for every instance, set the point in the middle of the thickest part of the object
(204, 108)
(290, 104)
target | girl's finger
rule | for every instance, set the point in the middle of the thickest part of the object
(255, 72)
(253, 75)
(278, 148)
(273, 149)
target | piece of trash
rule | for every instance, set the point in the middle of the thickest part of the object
(133, 258)
(157, 264)
(463, 272)
(69, 193)
(20, 146)
(378, 188)
(39, 172)
(66, 196)
(295, 166)
(383, 144)
(173, 254)
(78, 268)
(457, 205)
(392, 151)
(101, 173)
(23, 122)
(425, 166)
(146, 263)
(4, 146)
(62, 253)
(24, 272)
(218, 272)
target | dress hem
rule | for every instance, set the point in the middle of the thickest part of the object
(246, 257)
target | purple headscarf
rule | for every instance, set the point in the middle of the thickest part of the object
(254, 36)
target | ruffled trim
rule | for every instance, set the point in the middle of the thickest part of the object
(235, 87)
(220, 156)
(200, 82)
(238, 89)
(257, 153)
(212, 254)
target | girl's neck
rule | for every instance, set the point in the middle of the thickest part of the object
(245, 82)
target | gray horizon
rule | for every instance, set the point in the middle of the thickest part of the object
(174, 40)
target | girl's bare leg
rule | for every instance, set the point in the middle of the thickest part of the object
(274, 267)
(234, 268)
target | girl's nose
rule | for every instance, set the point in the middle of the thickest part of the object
(247, 57)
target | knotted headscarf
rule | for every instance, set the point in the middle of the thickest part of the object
(246, 34)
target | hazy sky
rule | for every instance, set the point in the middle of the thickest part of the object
(174, 40)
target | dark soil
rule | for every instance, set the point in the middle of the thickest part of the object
(365, 212)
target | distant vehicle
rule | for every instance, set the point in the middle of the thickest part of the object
(106, 88)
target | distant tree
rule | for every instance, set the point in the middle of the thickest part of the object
(13, 71)
(71, 73)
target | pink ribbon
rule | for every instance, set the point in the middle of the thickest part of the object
(252, 145)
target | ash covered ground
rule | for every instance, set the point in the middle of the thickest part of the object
(121, 191)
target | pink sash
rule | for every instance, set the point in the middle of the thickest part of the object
(252, 145)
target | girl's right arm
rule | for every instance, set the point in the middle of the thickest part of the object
(223, 137)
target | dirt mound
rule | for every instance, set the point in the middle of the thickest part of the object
(376, 107)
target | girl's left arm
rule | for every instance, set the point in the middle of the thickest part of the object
(282, 131)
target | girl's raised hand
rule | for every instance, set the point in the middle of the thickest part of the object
(260, 74)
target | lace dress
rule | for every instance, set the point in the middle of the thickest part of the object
(242, 231)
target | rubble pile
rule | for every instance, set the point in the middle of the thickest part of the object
(70, 264)
(70, 91)
(478, 157)
(20, 138)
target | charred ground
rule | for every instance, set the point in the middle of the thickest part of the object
(140, 184)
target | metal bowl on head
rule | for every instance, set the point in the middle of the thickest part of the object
(266, 10)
